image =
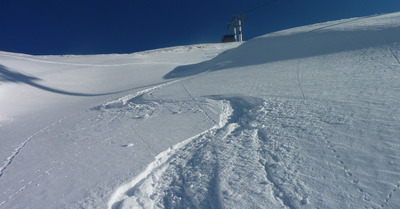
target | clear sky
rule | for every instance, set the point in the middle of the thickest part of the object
(125, 26)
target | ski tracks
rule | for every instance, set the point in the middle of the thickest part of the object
(298, 79)
(17, 150)
(220, 167)
(198, 104)
(278, 152)
(137, 192)
(8, 162)
(30, 183)
(263, 154)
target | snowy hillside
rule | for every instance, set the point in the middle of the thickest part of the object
(303, 118)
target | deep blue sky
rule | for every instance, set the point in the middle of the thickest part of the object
(125, 26)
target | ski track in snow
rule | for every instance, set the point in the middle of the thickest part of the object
(298, 80)
(123, 101)
(17, 150)
(389, 49)
(198, 104)
(30, 183)
(144, 141)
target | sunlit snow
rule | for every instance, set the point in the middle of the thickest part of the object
(303, 118)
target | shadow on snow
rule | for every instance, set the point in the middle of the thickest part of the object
(316, 42)
(9, 76)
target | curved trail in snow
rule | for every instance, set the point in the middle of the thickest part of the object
(17, 150)
(267, 150)
(198, 170)
(162, 160)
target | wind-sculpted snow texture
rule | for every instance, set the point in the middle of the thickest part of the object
(303, 118)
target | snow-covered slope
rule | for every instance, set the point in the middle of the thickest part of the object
(57, 148)
(303, 118)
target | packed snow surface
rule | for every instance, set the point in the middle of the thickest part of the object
(303, 118)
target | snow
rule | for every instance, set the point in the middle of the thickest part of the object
(303, 118)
